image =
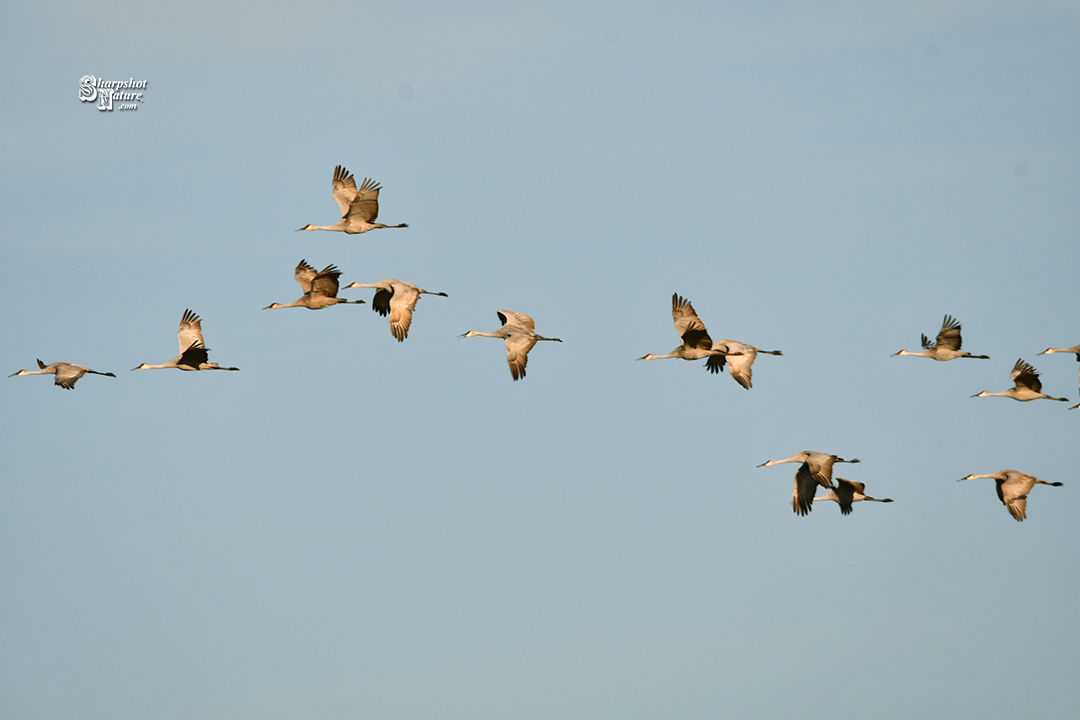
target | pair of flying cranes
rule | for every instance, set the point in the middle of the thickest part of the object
(360, 209)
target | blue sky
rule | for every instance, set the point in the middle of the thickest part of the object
(353, 527)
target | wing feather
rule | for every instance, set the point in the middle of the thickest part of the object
(949, 337)
(688, 324)
(343, 189)
(365, 203)
(1024, 375)
(326, 282)
(190, 333)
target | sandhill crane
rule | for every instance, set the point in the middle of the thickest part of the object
(1075, 350)
(193, 351)
(66, 374)
(320, 288)
(815, 469)
(398, 300)
(359, 208)
(739, 361)
(696, 343)
(848, 492)
(947, 346)
(1013, 487)
(1026, 385)
(518, 332)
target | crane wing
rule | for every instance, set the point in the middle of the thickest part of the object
(1017, 507)
(821, 466)
(688, 325)
(365, 204)
(381, 302)
(1013, 492)
(949, 337)
(802, 496)
(304, 275)
(194, 355)
(67, 374)
(344, 189)
(517, 353)
(740, 366)
(850, 486)
(326, 282)
(520, 320)
(1023, 375)
(402, 305)
(715, 363)
(190, 333)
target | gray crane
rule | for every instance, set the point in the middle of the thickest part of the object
(947, 346)
(398, 300)
(518, 331)
(193, 351)
(1013, 487)
(739, 361)
(320, 289)
(67, 374)
(1026, 385)
(814, 469)
(848, 492)
(696, 343)
(359, 208)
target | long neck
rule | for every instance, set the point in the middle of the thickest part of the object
(676, 353)
(792, 459)
(924, 353)
(339, 225)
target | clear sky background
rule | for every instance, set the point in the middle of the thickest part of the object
(353, 527)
